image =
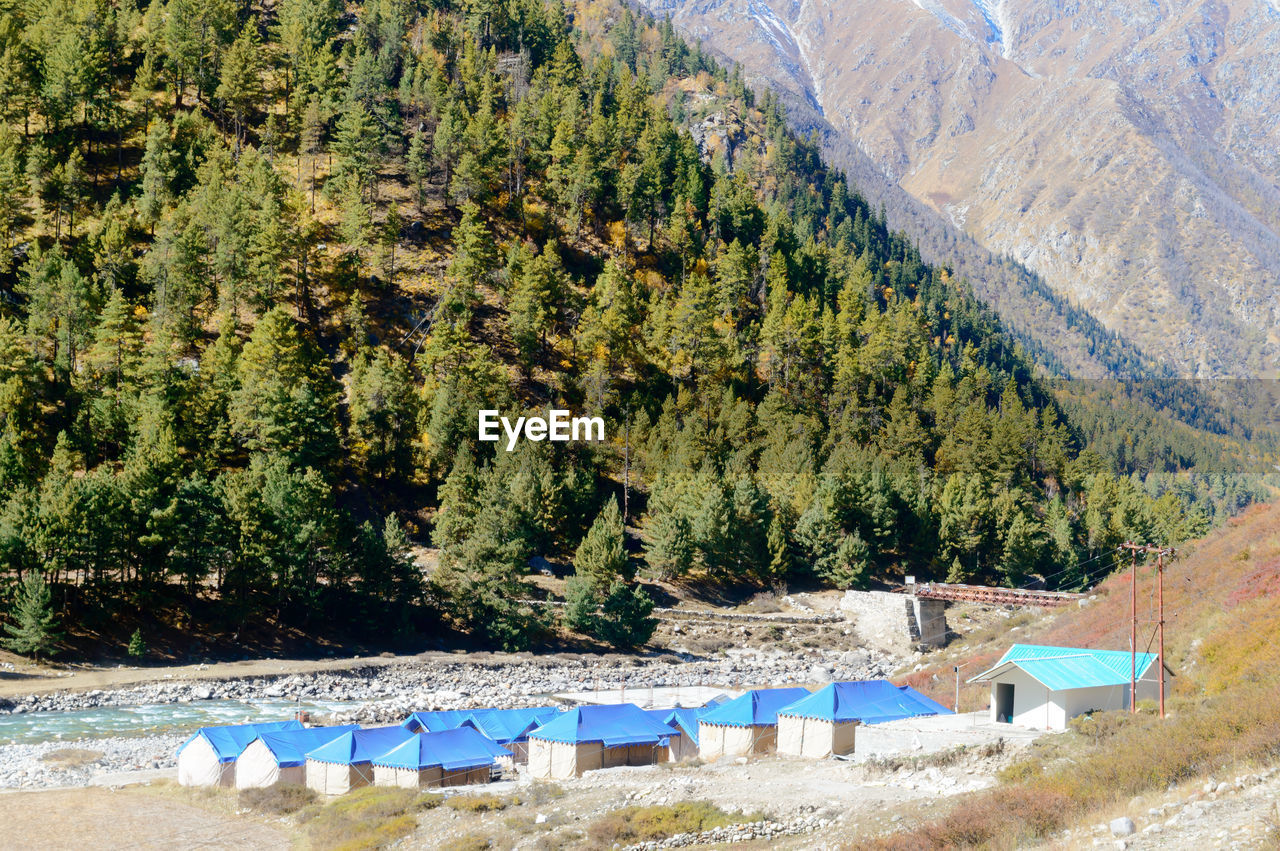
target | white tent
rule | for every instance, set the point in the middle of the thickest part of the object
(592, 737)
(345, 763)
(331, 778)
(816, 738)
(281, 757)
(199, 765)
(746, 725)
(209, 757)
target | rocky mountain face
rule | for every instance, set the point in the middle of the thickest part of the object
(1128, 151)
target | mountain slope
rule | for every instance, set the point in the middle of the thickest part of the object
(1132, 164)
(1222, 610)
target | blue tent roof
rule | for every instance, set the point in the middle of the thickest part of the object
(229, 740)
(757, 707)
(940, 708)
(681, 719)
(290, 747)
(509, 725)
(432, 722)
(462, 747)
(361, 745)
(868, 701)
(1062, 668)
(613, 726)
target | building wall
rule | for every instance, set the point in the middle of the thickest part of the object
(1036, 707)
(1033, 704)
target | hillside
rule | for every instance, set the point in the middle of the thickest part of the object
(1222, 607)
(1129, 163)
(270, 261)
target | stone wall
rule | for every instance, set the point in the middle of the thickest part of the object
(895, 622)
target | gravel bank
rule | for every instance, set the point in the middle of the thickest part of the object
(31, 766)
(390, 690)
(385, 694)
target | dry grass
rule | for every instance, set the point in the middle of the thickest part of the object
(279, 799)
(72, 757)
(1224, 617)
(479, 803)
(643, 824)
(368, 818)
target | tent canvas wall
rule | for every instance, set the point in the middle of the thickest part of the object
(208, 758)
(448, 758)
(815, 738)
(685, 722)
(1044, 687)
(748, 724)
(593, 737)
(346, 762)
(281, 757)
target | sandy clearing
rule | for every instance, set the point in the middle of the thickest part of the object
(45, 680)
(123, 819)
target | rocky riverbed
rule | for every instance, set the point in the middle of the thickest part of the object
(386, 693)
(442, 683)
(60, 763)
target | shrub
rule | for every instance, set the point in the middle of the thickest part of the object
(477, 803)
(365, 819)
(643, 824)
(280, 799)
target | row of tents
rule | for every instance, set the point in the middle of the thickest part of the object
(462, 747)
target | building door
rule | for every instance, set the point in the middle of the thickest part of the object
(1004, 702)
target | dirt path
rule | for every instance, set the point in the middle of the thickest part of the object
(43, 680)
(123, 819)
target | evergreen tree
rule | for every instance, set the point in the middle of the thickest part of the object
(240, 87)
(34, 630)
(600, 557)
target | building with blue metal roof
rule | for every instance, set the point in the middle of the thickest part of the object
(459, 757)
(208, 758)
(1044, 687)
(748, 724)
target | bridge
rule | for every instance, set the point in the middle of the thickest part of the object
(991, 596)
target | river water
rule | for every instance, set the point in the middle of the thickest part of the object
(148, 719)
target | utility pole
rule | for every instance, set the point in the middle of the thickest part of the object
(1160, 553)
(957, 668)
(1133, 630)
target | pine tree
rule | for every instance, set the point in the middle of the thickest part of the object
(624, 620)
(12, 194)
(137, 647)
(600, 557)
(419, 167)
(240, 87)
(34, 630)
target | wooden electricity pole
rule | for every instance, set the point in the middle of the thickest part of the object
(1160, 553)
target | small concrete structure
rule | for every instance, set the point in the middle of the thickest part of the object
(893, 622)
(1045, 687)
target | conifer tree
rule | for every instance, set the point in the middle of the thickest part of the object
(240, 86)
(34, 630)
